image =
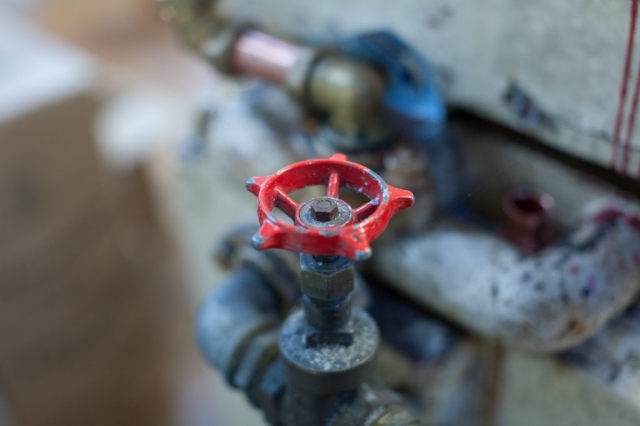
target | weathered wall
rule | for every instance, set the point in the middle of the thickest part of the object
(566, 55)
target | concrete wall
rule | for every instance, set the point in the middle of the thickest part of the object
(566, 56)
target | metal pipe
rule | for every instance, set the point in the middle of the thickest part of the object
(547, 301)
(261, 55)
(351, 93)
(526, 211)
(327, 316)
(243, 307)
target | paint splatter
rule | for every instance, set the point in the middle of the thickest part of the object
(634, 222)
(527, 109)
(590, 285)
(574, 269)
(609, 215)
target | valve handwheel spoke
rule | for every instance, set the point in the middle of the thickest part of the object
(285, 203)
(325, 225)
(365, 210)
(333, 187)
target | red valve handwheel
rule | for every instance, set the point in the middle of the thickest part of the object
(348, 232)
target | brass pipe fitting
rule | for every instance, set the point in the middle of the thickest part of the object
(350, 93)
(347, 93)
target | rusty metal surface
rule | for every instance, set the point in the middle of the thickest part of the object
(526, 225)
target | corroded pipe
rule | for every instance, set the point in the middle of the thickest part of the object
(547, 301)
(526, 211)
(238, 329)
(239, 310)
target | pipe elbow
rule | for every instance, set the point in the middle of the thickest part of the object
(545, 302)
(349, 92)
(235, 312)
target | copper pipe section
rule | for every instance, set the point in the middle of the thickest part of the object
(526, 211)
(261, 55)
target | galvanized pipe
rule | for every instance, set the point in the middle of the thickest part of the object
(236, 312)
(237, 330)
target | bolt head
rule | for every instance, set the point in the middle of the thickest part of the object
(324, 210)
(326, 282)
(324, 213)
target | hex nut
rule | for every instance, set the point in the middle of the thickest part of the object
(326, 283)
(324, 210)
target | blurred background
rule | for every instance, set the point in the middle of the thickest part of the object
(97, 292)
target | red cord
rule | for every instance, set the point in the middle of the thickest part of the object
(631, 123)
(623, 86)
